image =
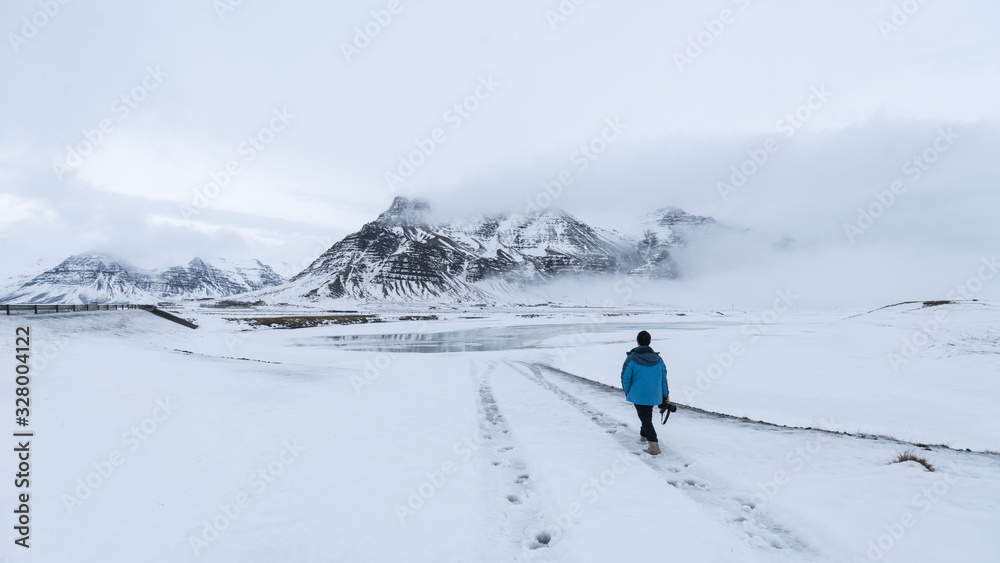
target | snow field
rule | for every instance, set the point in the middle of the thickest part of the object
(809, 368)
(158, 443)
(836, 493)
(603, 502)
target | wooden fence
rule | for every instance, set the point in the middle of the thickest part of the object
(40, 309)
(44, 309)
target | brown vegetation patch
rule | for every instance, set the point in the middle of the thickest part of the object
(307, 321)
(910, 455)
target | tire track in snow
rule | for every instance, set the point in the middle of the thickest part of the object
(523, 517)
(736, 509)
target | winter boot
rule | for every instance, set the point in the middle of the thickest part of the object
(643, 439)
(653, 449)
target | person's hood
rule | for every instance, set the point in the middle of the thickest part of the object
(644, 356)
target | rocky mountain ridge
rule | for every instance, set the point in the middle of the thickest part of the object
(403, 255)
(99, 278)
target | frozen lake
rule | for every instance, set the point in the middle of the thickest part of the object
(492, 339)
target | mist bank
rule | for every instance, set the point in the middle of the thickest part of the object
(809, 278)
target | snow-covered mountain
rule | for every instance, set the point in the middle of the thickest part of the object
(83, 278)
(663, 230)
(403, 255)
(98, 278)
(219, 279)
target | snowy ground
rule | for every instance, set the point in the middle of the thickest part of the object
(504, 440)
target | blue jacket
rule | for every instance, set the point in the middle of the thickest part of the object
(644, 377)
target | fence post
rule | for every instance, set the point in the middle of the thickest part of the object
(36, 309)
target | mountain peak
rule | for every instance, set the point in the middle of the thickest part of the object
(93, 257)
(403, 255)
(668, 216)
(405, 212)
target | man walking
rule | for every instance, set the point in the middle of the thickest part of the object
(644, 379)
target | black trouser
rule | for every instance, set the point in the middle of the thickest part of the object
(648, 431)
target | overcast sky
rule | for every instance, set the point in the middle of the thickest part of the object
(309, 117)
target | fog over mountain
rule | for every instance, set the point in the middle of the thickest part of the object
(405, 255)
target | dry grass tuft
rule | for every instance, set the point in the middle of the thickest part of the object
(910, 455)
